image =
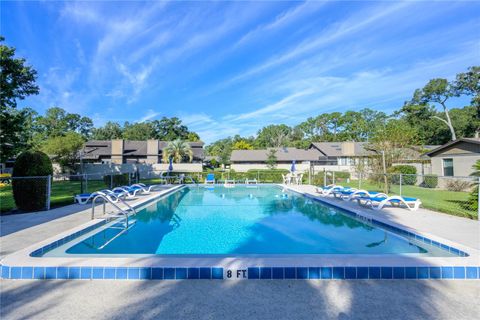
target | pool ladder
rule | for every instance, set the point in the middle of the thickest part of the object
(121, 213)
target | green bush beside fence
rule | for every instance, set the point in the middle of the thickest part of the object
(408, 175)
(30, 181)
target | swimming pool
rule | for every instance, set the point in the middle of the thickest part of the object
(243, 220)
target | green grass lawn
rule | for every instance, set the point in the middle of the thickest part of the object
(451, 202)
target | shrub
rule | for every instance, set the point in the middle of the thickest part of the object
(457, 185)
(408, 175)
(116, 180)
(30, 194)
(430, 181)
(273, 175)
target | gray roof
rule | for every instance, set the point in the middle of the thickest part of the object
(338, 149)
(94, 149)
(134, 148)
(282, 154)
(448, 144)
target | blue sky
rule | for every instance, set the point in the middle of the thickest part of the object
(229, 68)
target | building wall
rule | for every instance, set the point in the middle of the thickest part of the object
(462, 165)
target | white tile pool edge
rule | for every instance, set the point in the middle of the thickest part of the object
(23, 259)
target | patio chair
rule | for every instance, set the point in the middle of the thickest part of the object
(287, 179)
(210, 179)
(298, 179)
(378, 203)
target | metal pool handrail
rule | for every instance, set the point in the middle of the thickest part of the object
(122, 211)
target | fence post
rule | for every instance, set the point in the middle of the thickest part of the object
(360, 181)
(324, 177)
(400, 185)
(129, 178)
(111, 180)
(49, 188)
(333, 177)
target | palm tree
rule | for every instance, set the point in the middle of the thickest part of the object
(177, 150)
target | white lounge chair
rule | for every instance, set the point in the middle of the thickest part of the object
(377, 203)
(131, 191)
(351, 194)
(251, 181)
(321, 189)
(145, 188)
(330, 191)
(84, 198)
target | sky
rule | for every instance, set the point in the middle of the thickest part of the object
(228, 68)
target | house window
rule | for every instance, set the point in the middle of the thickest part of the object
(448, 167)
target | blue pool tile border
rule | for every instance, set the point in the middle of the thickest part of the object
(254, 273)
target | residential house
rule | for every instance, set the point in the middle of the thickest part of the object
(455, 158)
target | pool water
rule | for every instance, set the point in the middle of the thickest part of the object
(203, 220)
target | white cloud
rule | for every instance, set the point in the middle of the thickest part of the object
(149, 115)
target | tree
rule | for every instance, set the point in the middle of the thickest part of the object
(390, 144)
(57, 122)
(274, 136)
(169, 129)
(178, 150)
(16, 132)
(111, 130)
(242, 145)
(271, 159)
(468, 83)
(138, 131)
(193, 137)
(17, 81)
(437, 91)
(65, 150)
